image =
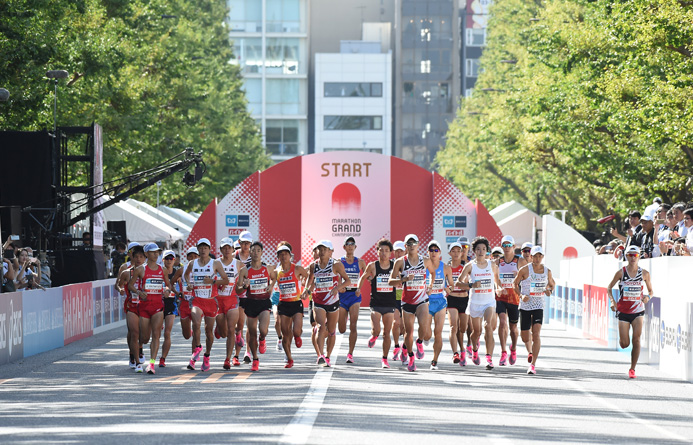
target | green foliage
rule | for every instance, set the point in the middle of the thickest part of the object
(595, 116)
(155, 83)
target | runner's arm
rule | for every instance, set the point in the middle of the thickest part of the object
(396, 272)
(219, 268)
(137, 274)
(648, 283)
(609, 288)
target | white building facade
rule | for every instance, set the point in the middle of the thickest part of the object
(353, 99)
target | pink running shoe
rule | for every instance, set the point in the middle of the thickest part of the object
(419, 350)
(205, 364)
(513, 356)
(469, 352)
(151, 370)
(412, 365)
(475, 358)
(350, 358)
(631, 373)
(321, 360)
(298, 341)
(263, 346)
(531, 370)
(371, 341)
(503, 359)
(191, 365)
(196, 355)
(327, 362)
(404, 356)
(384, 364)
(395, 354)
(463, 359)
(256, 365)
(239, 339)
(489, 361)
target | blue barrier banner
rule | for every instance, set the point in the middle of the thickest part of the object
(43, 320)
(107, 305)
(11, 328)
(579, 308)
(98, 306)
(655, 334)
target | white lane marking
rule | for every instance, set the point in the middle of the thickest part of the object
(298, 430)
(643, 422)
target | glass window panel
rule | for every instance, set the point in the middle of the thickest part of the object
(352, 89)
(472, 68)
(353, 123)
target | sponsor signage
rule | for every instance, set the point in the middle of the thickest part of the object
(78, 311)
(43, 321)
(11, 327)
(242, 221)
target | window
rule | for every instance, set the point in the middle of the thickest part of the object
(245, 15)
(476, 37)
(368, 150)
(353, 89)
(283, 96)
(468, 92)
(283, 15)
(353, 123)
(425, 66)
(283, 55)
(281, 137)
(472, 68)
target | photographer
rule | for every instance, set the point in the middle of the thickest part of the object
(644, 238)
(118, 257)
(634, 227)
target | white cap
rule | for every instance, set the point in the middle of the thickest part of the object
(168, 253)
(633, 249)
(535, 250)
(433, 243)
(497, 250)
(133, 244)
(326, 243)
(410, 237)
(151, 247)
(193, 249)
(455, 244)
(398, 245)
(508, 239)
(226, 242)
(646, 217)
(236, 245)
(526, 245)
(283, 248)
(463, 241)
(245, 236)
(204, 241)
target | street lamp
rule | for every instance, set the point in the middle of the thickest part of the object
(56, 75)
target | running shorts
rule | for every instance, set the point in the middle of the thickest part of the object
(383, 310)
(459, 303)
(149, 308)
(436, 305)
(253, 308)
(503, 307)
(169, 306)
(411, 308)
(290, 308)
(477, 310)
(629, 318)
(208, 306)
(183, 308)
(226, 303)
(275, 298)
(327, 307)
(529, 318)
(348, 299)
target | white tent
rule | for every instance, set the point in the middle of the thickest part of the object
(172, 221)
(140, 226)
(517, 220)
(179, 214)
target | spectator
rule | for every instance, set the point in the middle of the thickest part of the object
(8, 273)
(663, 234)
(118, 257)
(610, 247)
(678, 209)
(644, 238)
(25, 277)
(86, 240)
(634, 227)
(688, 223)
(45, 271)
(652, 209)
(596, 243)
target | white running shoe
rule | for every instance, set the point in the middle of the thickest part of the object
(138, 368)
(280, 346)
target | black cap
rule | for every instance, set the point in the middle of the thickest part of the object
(635, 213)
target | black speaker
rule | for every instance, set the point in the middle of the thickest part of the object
(78, 266)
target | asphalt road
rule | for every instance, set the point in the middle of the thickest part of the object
(85, 392)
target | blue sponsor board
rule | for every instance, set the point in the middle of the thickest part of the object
(237, 220)
(578, 308)
(11, 327)
(98, 306)
(43, 321)
(452, 221)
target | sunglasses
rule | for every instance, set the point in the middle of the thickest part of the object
(434, 250)
(412, 243)
(633, 254)
(170, 258)
(506, 245)
(349, 244)
(526, 250)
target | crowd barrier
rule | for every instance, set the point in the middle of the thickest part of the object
(36, 321)
(580, 302)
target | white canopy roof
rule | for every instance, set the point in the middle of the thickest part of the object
(179, 214)
(140, 226)
(172, 221)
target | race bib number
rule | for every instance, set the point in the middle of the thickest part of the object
(258, 285)
(201, 290)
(381, 284)
(438, 285)
(288, 289)
(632, 292)
(324, 283)
(507, 280)
(153, 285)
(354, 277)
(485, 285)
(537, 288)
(417, 282)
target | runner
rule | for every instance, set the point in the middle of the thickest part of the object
(185, 297)
(496, 253)
(275, 314)
(438, 283)
(457, 305)
(202, 273)
(169, 303)
(311, 311)
(150, 283)
(482, 284)
(258, 282)
(349, 300)
(507, 302)
(466, 258)
(245, 239)
(410, 271)
(227, 300)
(526, 252)
(328, 278)
(383, 297)
(131, 307)
(631, 303)
(290, 279)
(398, 326)
(539, 282)
(128, 264)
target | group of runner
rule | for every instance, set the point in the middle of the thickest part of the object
(478, 293)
